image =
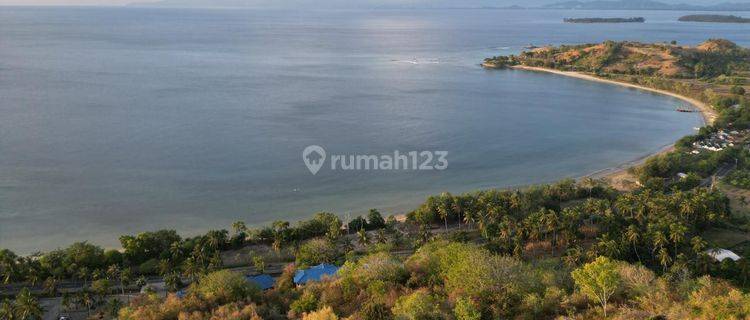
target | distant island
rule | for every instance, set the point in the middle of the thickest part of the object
(644, 5)
(605, 20)
(713, 18)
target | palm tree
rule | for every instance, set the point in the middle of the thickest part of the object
(83, 274)
(698, 244)
(362, 237)
(7, 311)
(192, 269)
(677, 234)
(175, 250)
(8, 265)
(381, 237)
(27, 307)
(632, 234)
(86, 299)
(664, 258)
(239, 227)
(126, 277)
(50, 286)
(659, 240)
(445, 207)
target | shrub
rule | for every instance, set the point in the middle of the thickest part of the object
(308, 302)
(420, 305)
(224, 286)
(316, 251)
(325, 313)
(376, 311)
(738, 90)
(375, 267)
(465, 309)
(739, 178)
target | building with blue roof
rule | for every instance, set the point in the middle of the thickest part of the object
(263, 281)
(315, 273)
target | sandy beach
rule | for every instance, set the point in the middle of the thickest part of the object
(618, 176)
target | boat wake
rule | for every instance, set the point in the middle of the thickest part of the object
(416, 61)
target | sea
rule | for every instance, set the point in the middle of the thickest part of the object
(120, 120)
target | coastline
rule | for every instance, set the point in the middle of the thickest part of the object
(618, 176)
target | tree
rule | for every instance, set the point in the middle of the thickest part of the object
(375, 220)
(239, 227)
(632, 234)
(598, 280)
(50, 286)
(362, 238)
(101, 287)
(357, 224)
(376, 311)
(316, 251)
(224, 286)
(27, 307)
(126, 278)
(7, 311)
(259, 263)
(420, 305)
(85, 298)
(141, 281)
(8, 265)
(738, 90)
(465, 309)
(325, 313)
(173, 281)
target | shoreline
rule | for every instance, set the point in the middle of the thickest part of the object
(620, 172)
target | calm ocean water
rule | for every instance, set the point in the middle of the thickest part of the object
(121, 120)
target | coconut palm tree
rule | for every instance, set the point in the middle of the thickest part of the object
(362, 238)
(664, 258)
(27, 307)
(632, 234)
(7, 310)
(677, 233)
(126, 278)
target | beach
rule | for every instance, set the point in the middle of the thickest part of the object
(618, 176)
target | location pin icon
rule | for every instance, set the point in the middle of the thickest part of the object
(314, 157)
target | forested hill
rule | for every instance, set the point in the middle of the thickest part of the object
(711, 58)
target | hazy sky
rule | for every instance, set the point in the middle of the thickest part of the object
(458, 2)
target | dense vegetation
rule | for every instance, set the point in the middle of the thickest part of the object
(714, 18)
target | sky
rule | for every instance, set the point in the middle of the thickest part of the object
(391, 2)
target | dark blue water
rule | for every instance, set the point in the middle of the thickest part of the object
(119, 120)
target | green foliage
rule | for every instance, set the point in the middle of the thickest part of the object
(325, 313)
(465, 309)
(224, 286)
(316, 251)
(375, 220)
(419, 305)
(376, 311)
(308, 302)
(375, 267)
(738, 90)
(599, 280)
(739, 178)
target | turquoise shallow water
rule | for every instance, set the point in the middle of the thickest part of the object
(120, 120)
